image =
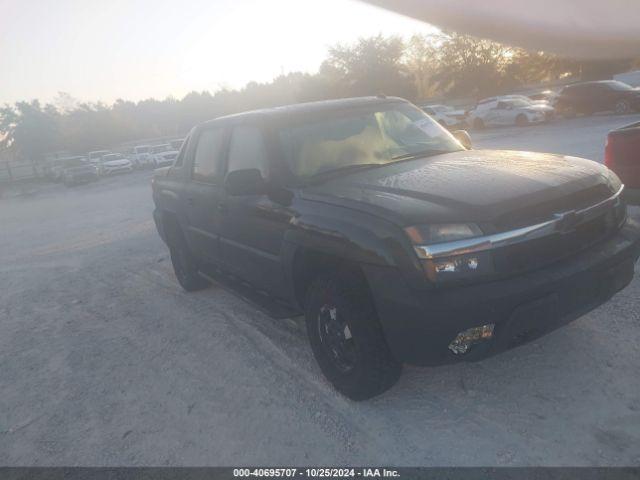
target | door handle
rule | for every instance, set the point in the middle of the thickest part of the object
(222, 208)
(191, 201)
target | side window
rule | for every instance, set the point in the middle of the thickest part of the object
(183, 151)
(247, 150)
(207, 162)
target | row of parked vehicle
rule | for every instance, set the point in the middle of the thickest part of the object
(584, 98)
(73, 170)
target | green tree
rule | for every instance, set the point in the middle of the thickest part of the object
(29, 130)
(468, 66)
(371, 66)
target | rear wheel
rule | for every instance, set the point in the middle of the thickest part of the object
(346, 337)
(522, 120)
(185, 266)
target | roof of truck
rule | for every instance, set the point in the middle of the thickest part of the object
(310, 107)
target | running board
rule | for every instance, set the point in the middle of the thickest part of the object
(264, 302)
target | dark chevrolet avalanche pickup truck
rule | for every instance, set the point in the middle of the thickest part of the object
(398, 243)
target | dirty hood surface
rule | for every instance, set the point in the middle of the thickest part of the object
(475, 186)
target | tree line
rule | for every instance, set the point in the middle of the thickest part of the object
(438, 65)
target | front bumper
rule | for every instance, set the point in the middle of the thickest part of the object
(419, 325)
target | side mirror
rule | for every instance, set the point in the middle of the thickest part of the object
(245, 182)
(463, 137)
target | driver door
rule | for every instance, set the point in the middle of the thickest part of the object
(253, 226)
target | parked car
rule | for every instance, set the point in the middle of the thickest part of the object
(94, 158)
(588, 98)
(176, 144)
(398, 244)
(166, 158)
(506, 112)
(540, 105)
(523, 98)
(156, 151)
(622, 155)
(114, 163)
(53, 169)
(142, 156)
(548, 96)
(446, 116)
(77, 170)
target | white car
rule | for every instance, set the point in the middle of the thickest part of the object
(176, 144)
(95, 156)
(507, 112)
(114, 163)
(446, 116)
(156, 151)
(540, 104)
(165, 159)
(142, 157)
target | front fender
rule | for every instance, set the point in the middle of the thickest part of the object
(352, 236)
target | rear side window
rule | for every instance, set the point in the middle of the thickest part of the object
(207, 163)
(247, 150)
(183, 151)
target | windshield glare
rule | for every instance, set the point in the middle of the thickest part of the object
(378, 135)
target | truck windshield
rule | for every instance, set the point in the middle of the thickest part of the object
(376, 136)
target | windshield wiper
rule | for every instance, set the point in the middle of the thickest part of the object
(424, 153)
(346, 169)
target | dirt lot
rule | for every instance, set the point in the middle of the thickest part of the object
(104, 360)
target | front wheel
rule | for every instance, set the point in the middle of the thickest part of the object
(623, 107)
(185, 267)
(522, 120)
(346, 337)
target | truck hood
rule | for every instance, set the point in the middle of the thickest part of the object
(472, 186)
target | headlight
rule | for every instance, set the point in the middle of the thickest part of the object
(446, 232)
(443, 267)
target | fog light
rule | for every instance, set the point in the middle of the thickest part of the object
(466, 339)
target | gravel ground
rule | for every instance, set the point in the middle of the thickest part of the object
(104, 360)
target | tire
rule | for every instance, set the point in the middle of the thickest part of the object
(522, 120)
(185, 266)
(339, 305)
(623, 107)
(478, 124)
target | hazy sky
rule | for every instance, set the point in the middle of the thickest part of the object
(135, 49)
